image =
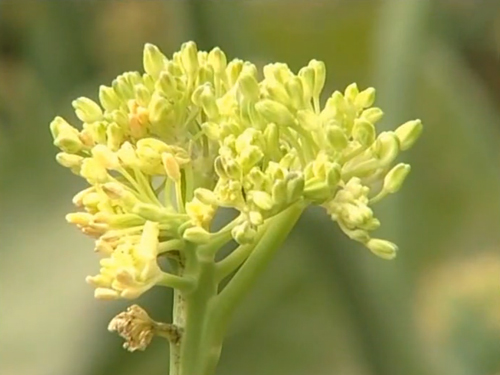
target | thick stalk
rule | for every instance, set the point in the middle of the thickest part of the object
(194, 342)
(275, 231)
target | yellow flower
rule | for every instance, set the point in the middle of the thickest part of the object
(131, 269)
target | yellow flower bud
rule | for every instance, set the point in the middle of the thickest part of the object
(363, 132)
(171, 166)
(218, 60)
(261, 199)
(395, 178)
(372, 115)
(233, 71)
(408, 133)
(382, 248)
(274, 112)
(153, 60)
(87, 110)
(189, 58)
(365, 98)
(351, 92)
(197, 235)
(108, 98)
(319, 76)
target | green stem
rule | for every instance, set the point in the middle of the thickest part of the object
(231, 262)
(194, 342)
(274, 233)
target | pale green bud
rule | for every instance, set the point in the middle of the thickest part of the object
(295, 91)
(294, 186)
(108, 98)
(244, 233)
(255, 218)
(166, 84)
(351, 92)
(337, 138)
(65, 136)
(279, 192)
(158, 108)
(123, 88)
(205, 196)
(87, 110)
(189, 58)
(153, 60)
(171, 166)
(218, 60)
(319, 76)
(120, 118)
(233, 71)
(148, 81)
(248, 87)
(71, 161)
(395, 178)
(115, 136)
(408, 133)
(382, 248)
(277, 92)
(372, 115)
(365, 98)
(208, 102)
(250, 156)
(128, 156)
(211, 130)
(317, 189)
(142, 94)
(306, 75)
(387, 147)
(363, 132)
(261, 199)
(333, 174)
(197, 235)
(274, 112)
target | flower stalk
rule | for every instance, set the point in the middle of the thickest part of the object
(166, 150)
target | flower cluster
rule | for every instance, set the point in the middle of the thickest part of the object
(165, 149)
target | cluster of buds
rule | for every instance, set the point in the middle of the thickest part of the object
(164, 150)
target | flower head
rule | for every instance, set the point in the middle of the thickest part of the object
(165, 149)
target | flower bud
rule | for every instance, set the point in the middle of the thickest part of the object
(363, 132)
(159, 109)
(408, 133)
(69, 160)
(189, 58)
(295, 91)
(337, 138)
(395, 178)
(104, 156)
(279, 192)
(87, 110)
(351, 92)
(65, 136)
(142, 95)
(115, 136)
(166, 84)
(365, 98)
(108, 98)
(94, 172)
(372, 115)
(262, 200)
(205, 196)
(171, 166)
(319, 76)
(248, 87)
(294, 186)
(387, 147)
(233, 71)
(205, 74)
(153, 60)
(274, 112)
(306, 75)
(382, 248)
(218, 60)
(244, 233)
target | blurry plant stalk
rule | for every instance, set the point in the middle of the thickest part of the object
(167, 149)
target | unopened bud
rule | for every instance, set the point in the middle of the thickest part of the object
(382, 248)
(153, 60)
(408, 133)
(87, 110)
(395, 178)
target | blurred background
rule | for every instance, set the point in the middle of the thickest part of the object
(325, 305)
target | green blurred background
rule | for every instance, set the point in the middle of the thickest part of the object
(325, 305)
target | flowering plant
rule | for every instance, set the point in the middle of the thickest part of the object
(166, 150)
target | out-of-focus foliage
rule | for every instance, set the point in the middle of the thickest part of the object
(324, 306)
